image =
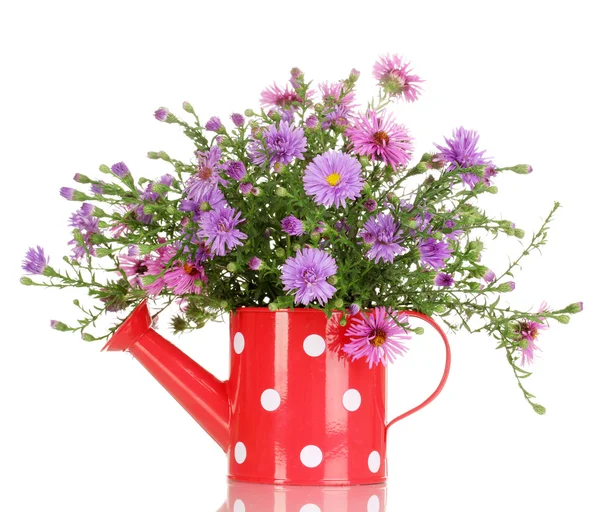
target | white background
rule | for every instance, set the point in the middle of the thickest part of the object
(84, 430)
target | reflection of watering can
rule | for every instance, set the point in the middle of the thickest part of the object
(294, 410)
(244, 497)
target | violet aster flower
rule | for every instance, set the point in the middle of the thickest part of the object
(370, 205)
(35, 261)
(161, 114)
(331, 94)
(337, 116)
(235, 169)
(218, 227)
(529, 330)
(208, 174)
(275, 96)
(135, 267)
(120, 169)
(292, 226)
(395, 77)
(333, 177)
(214, 124)
(245, 188)
(210, 198)
(383, 232)
(380, 138)
(434, 253)
(87, 224)
(67, 193)
(238, 119)
(442, 279)
(461, 152)
(311, 121)
(254, 263)
(307, 274)
(281, 145)
(377, 336)
(185, 278)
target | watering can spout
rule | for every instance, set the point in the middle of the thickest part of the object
(199, 392)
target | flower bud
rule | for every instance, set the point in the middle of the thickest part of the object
(281, 192)
(163, 156)
(508, 286)
(279, 252)
(87, 337)
(420, 168)
(81, 178)
(419, 330)
(522, 169)
(296, 247)
(223, 304)
(273, 306)
(576, 307)
(249, 112)
(160, 188)
(563, 319)
(412, 224)
(338, 303)
(439, 308)
(354, 309)
(59, 326)
(161, 114)
(540, 409)
(188, 107)
(343, 321)
(332, 280)
(231, 267)
(153, 155)
(492, 190)
(105, 169)
(519, 233)
(27, 281)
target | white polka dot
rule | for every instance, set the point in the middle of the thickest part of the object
(238, 343)
(373, 504)
(314, 345)
(270, 400)
(240, 453)
(310, 508)
(374, 462)
(311, 456)
(239, 506)
(351, 400)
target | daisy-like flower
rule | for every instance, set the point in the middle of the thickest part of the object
(134, 266)
(442, 279)
(331, 95)
(461, 151)
(395, 77)
(434, 253)
(280, 145)
(275, 96)
(185, 278)
(219, 228)
(380, 138)
(332, 178)
(306, 274)
(208, 174)
(235, 170)
(35, 261)
(292, 226)
(529, 331)
(384, 233)
(156, 268)
(208, 198)
(87, 224)
(377, 336)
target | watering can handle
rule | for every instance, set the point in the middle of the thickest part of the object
(442, 383)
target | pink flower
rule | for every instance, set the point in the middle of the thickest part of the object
(394, 75)
(185, 278)
(377, 337)
(380, 138)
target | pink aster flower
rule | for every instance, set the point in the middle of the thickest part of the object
(333, 177)
(395, 77)
(134, 266)
(331, 94)
(208, 175)
(380, 138)
(384, 233)
(185, 278)
(529, 331)
(307, 274)
(377, 336)
(275, 96)
(156, 267)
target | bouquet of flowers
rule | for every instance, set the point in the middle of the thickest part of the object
(313, 201)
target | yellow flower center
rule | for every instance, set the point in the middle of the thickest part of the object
(333, 179)
(379, 339)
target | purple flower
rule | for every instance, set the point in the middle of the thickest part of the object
(245, 188)
(97, 188)
(331, 95)
(377, 337)
(489, 276)
(218, 227)
(235, 170)
(277, 97)
(336, 116)
(157, 267)
(208, 174)
(377, 136)
(434, 253)
(67, 193)
(292, 226)
(307, 274)
(120, 169)
(370, 205)
(210, 198)
(528, 331)
(214, 124)
(134, 267)
(461, 151)
(442, 279)
(280, 145)
(87, 224)
(383, 232)
(354, 309)
(238, 119)
(333, 177)
(185, 278)
(254, 263)
(395, 77)
(161, 114)
(35, 261)
(311, 121)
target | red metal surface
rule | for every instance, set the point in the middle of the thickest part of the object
(295, 410)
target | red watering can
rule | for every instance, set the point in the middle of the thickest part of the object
(295, 409)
